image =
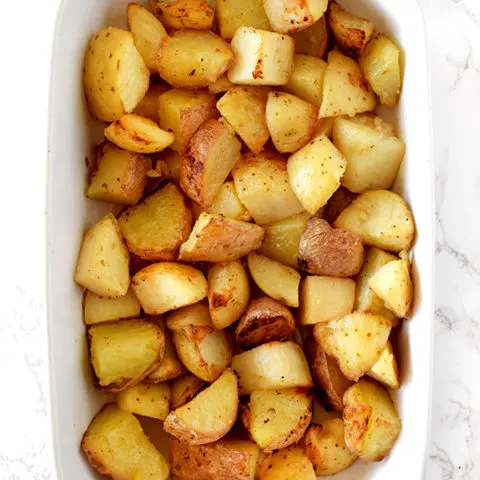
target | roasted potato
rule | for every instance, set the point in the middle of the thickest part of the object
(102, 264)
(271, 366)
(221, 85)
(148, 106)
(167, 286)
(244, 109)
(124, 353)
(155, 228)
(338, 202)
(325, 298)
(183, 111)
(195, 14)
(227, 204)
(228, 292)
(261, 182)
(183, 389)
(372, 424)
(115, 445)
(211, 154)
(325, 447)
(380, 63)
(147, 400)
(288, 464)
(351, 33)
(264, 321)
(275, 279)
(330, 251)
(290, 121)
(209, 416)
(115, 77)
(193, 58)
(382, 218)
(373, 157)
(261, 57)
(356, 341)
(277, 419)
(386, 369)
(315, 172)
(218, 239)
(170, 163)
(323, 127)
(345, 90)
(313, 40)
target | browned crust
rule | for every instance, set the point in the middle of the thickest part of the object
(356, 416)
(165, 10)
(338, 202)
(190, 390)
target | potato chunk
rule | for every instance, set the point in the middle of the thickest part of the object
(227, 204)
(102, 264)
(148, 106)
(115, 445)
(103, 309)
(314, 40)
(372, 424)
(147, 400)
(195, 14)
(221, 85)
(183, 389)
(288, 464)
(209, 416)
(386, 369)
(338, 202)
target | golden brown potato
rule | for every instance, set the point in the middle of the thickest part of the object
(147, 400)
(211, 154)
(195, 14)
(183, 389)
(338, 202)
(221, 85)
(290, 121)
(102, 264)
(183, 111)
(227, 204)
(261, 182)
(313, 40)
(244, 109)
(277, 419)
(288, 464)
(275, 279)
(330, 251)
(155, 228)
(264, 321)
(218, 239)
(351, 33)
(194, 58)
(209, 416)
(326, 449)
(386, 369)
(345, 90)
(228, 292)
(115, 77)
(382, 218)
(261, 57)
(138, 134)
(372, 424)
(356, 341)
(115, 445)
(124, 353)
(170, 163)
(167, 286)
(271, 366)
(315, 172)
(148, 106)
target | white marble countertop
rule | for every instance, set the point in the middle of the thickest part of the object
(454, 45)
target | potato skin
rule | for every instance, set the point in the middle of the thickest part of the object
(338, 202)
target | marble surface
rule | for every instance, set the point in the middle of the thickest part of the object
(454, 44)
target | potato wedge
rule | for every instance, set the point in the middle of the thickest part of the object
(315, 172)
(275, 279)
(338, 202)
(218, 239)
(264, 321)
(211, 154)
(290, 121)
(115, 77)
(147, 400)
(183, 111)
(288, 464)
(228, 292)
(177, 14)
(115, 445)
(155, 228)
(356, 341)
(244, 109)
(227, 204)
(209, 416)
(373, 158)
(351, 33)
(382, 218)
(386, 369)
(138, 134)
(167, 286)
(194, 58)
(183, 389)
(314, 40)
(277, 419)
(261, 57)
(372, 424)
(262, 185)
(345, 90)
(124, 353)
(326, 449)
(271, 366)
(148, 106)
(289, 16)
(330, 251)
(102, 264)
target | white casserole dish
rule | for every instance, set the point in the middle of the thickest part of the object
(72, 135)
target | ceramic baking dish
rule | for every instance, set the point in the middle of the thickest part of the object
(72, 135)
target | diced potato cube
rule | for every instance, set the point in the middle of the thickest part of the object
(147, 400)
(288, 464)
(97, 309)
(386, 369)
(177, 14)
(228, 204)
